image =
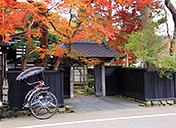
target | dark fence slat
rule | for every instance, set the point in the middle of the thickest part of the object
(98, 80)
(157, 88)
(111, 82)
(54, 79)
(66, 82)
(139, 84)
(120, 81)
(17, 90)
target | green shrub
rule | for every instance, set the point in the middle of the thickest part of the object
(89, 91)
(79, 91)
(90, 83)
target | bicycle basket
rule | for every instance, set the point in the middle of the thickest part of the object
(31, 75)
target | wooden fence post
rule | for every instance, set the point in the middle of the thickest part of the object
(100, 87)
(103, 79)
(71, 83)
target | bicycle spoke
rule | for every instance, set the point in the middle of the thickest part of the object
(43, 105)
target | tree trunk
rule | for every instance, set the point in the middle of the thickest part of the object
(44, 43)
(25, 59)
(1, 39)
(172, 9)
(146, 15)
(44, 37)
(56, 65)
(59, 59)
(147, 20)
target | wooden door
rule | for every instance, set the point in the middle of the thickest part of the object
(98, 80)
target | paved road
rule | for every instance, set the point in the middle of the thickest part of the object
(89, 104)
(147, 117)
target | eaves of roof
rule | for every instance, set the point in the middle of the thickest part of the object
(93, 49)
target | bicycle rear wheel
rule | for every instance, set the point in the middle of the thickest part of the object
(43, 105)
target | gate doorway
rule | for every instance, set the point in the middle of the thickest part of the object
(85, 81)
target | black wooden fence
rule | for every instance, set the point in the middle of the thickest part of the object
(157, 88)
(17, 90)
(139, 84)
(67, 82)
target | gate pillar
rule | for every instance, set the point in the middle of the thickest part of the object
(100, 89)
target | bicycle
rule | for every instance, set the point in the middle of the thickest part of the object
(42, 103)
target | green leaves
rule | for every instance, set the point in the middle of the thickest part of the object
(150, 48)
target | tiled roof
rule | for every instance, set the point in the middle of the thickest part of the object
(93, 49)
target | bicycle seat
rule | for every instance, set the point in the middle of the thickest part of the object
(44, 88)
(33, 83)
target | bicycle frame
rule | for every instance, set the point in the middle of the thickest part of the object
(31, 93)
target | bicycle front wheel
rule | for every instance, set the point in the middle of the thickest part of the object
(43, 105)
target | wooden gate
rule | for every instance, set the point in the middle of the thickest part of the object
(99, 75)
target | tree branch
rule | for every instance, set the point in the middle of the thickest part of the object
(29, 27)
(53, 6)
(170, 6)
(30, 1)
(79, 24)
(70, 16)
(44, 14)
(54, 27)
(172, 9)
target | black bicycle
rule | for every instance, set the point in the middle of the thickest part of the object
(42, 103)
